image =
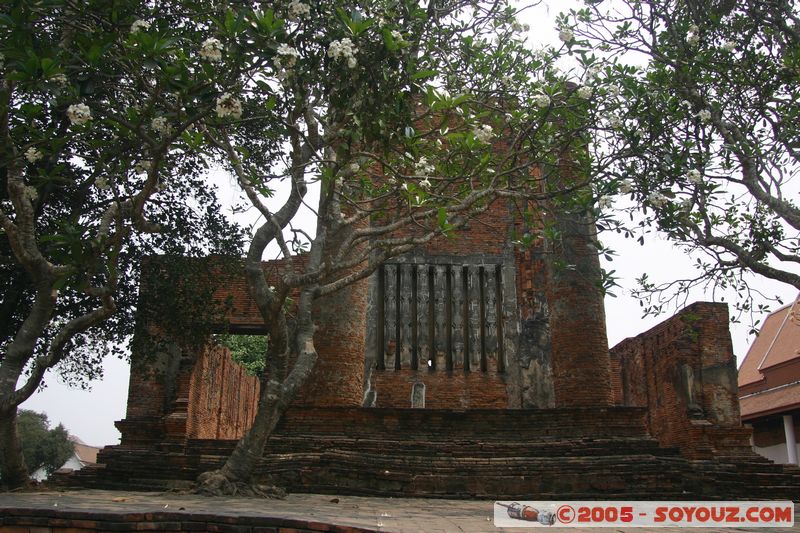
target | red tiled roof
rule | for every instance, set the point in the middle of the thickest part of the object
(777, 342)
(771, 401)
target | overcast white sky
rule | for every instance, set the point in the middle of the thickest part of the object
(90, 415)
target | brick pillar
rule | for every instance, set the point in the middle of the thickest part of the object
(580, 359)
(340, 338)
(338, 377)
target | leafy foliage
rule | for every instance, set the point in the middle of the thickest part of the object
(696, 133)
(247, 351)
(43, 447)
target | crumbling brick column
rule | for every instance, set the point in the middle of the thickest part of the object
(338, 377)
(580, 359)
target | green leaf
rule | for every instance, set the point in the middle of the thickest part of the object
(423, 74)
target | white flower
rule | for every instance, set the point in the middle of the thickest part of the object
(694, 176)
(625, 186)
(101, 183)
(729, 46)
(605, 202)
(593, 72)
(693, 28)
(615, 122)
(161, 126)
(142, 167)
(298, 10)
(31, 192)
(79, 114)
(59, 79)
(288, 54)
(425, 184)
(483, 133)
(541, 100)
(657, 199)
(229, 105)
(211, 50)
(140, 25)
(397, 36)
(343, 49)
(613, 90)
(354, 167)
(566, 35)
(704, 115)
(686, 204)
(585, 92)
(692, 39)
(33, 155)
(423, 167)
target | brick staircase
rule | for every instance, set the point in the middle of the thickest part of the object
(524, 454)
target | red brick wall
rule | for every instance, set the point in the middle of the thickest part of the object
(443, 390)
(683, 371)
(338, 376)
(222, 397)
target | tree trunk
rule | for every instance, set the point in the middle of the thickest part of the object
(236, 475)
(13, 471)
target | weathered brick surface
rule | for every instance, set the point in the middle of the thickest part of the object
(222, 397)
(580, 359)
(683, 371)
(556, 453)
(443, 390)
(465, 442)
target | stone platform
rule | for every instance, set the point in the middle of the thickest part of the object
(88, 511)
(565, 453)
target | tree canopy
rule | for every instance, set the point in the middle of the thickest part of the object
(43, 446)
(697, 133)
(97, 170)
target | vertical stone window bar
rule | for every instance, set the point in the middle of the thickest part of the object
(431, 319)
(482, 314)
(381, 328)
(465, 314)
(414, 319)
(448, 318)
(498, 283)
(398, 314)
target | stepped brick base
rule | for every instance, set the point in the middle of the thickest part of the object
(523, 454)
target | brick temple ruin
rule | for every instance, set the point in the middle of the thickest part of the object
(469, 368)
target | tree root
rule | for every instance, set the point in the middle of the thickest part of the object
(215, 483)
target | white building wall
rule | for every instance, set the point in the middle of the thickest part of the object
(776, 453)
(73, 463)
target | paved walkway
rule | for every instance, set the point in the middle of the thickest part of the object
(377, 514)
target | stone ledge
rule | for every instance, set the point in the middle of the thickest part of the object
(27, 520)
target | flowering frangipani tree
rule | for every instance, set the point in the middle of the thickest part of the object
(703, 138)
(100, 165)
(411, 118)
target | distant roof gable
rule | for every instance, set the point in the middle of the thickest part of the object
(778, 342)
(86, 454)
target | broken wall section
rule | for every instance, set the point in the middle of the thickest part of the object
(684, 372)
